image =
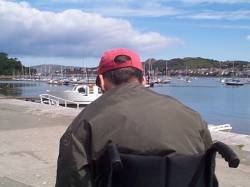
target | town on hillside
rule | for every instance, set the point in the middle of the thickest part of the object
(200, 67)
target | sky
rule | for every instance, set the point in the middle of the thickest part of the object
(77, 32)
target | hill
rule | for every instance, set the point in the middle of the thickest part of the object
(192, 63)
(159, 66)
(13, 66)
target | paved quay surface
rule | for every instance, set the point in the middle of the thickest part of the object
(29, 141)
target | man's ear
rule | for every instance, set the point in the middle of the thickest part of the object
(102, 83)
(144, 81)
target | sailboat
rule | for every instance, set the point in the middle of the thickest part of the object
(149, 80)
(234, 81)
(187, 78)
(167, 79)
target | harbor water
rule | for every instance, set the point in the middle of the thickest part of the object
(216, 102)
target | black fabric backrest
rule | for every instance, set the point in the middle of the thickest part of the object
(146, 171)
(156, 171)
(188, 171)
(114, 169)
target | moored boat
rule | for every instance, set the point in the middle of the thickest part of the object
(82, 94)
(234, 82)
(224, 127)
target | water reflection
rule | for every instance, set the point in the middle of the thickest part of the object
(12, 89)
(27, 88)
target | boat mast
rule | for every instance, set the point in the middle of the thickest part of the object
(22, 69)
(29, 73)
(61, 71)
(86, 72)
(45, 68)
(166, 68)
(233, 71)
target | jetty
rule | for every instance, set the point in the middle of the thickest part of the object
(29, 144)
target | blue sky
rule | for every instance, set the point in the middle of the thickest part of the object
(77, 32)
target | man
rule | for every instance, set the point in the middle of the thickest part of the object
(131, 116)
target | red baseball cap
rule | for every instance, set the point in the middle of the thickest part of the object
(119, 58)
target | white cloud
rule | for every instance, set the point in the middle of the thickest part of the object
(158, 8)
(145, 1)
(143, 11)
(29, 31)
(248, 37)
(214, 15)
(217, 1)
(143, 8)
(224, 26)
(122, 8)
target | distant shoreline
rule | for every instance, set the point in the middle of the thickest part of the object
(6, 77)
(11, 78)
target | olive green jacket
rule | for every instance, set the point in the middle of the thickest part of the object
(136, 119)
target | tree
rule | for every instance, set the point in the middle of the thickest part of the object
(8, 66)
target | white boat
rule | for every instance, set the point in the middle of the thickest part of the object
(185, 79)
(59, 81)
(247, 81)
(82, 94)
(188, 79)
(225, 127)
(165, 80)
(234, 82)
(222, 80)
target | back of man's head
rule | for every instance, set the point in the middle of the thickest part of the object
(120, 66)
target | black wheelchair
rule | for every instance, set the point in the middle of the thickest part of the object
(116, 169)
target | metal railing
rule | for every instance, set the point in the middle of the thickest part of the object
(53, 100)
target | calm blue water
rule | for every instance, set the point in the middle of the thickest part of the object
(28, 88)
(216, 102)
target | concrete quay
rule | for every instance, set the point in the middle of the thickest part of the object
(29, 141)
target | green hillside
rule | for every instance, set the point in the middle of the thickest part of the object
(192, 63)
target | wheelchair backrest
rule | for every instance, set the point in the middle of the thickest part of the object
(114, 169)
